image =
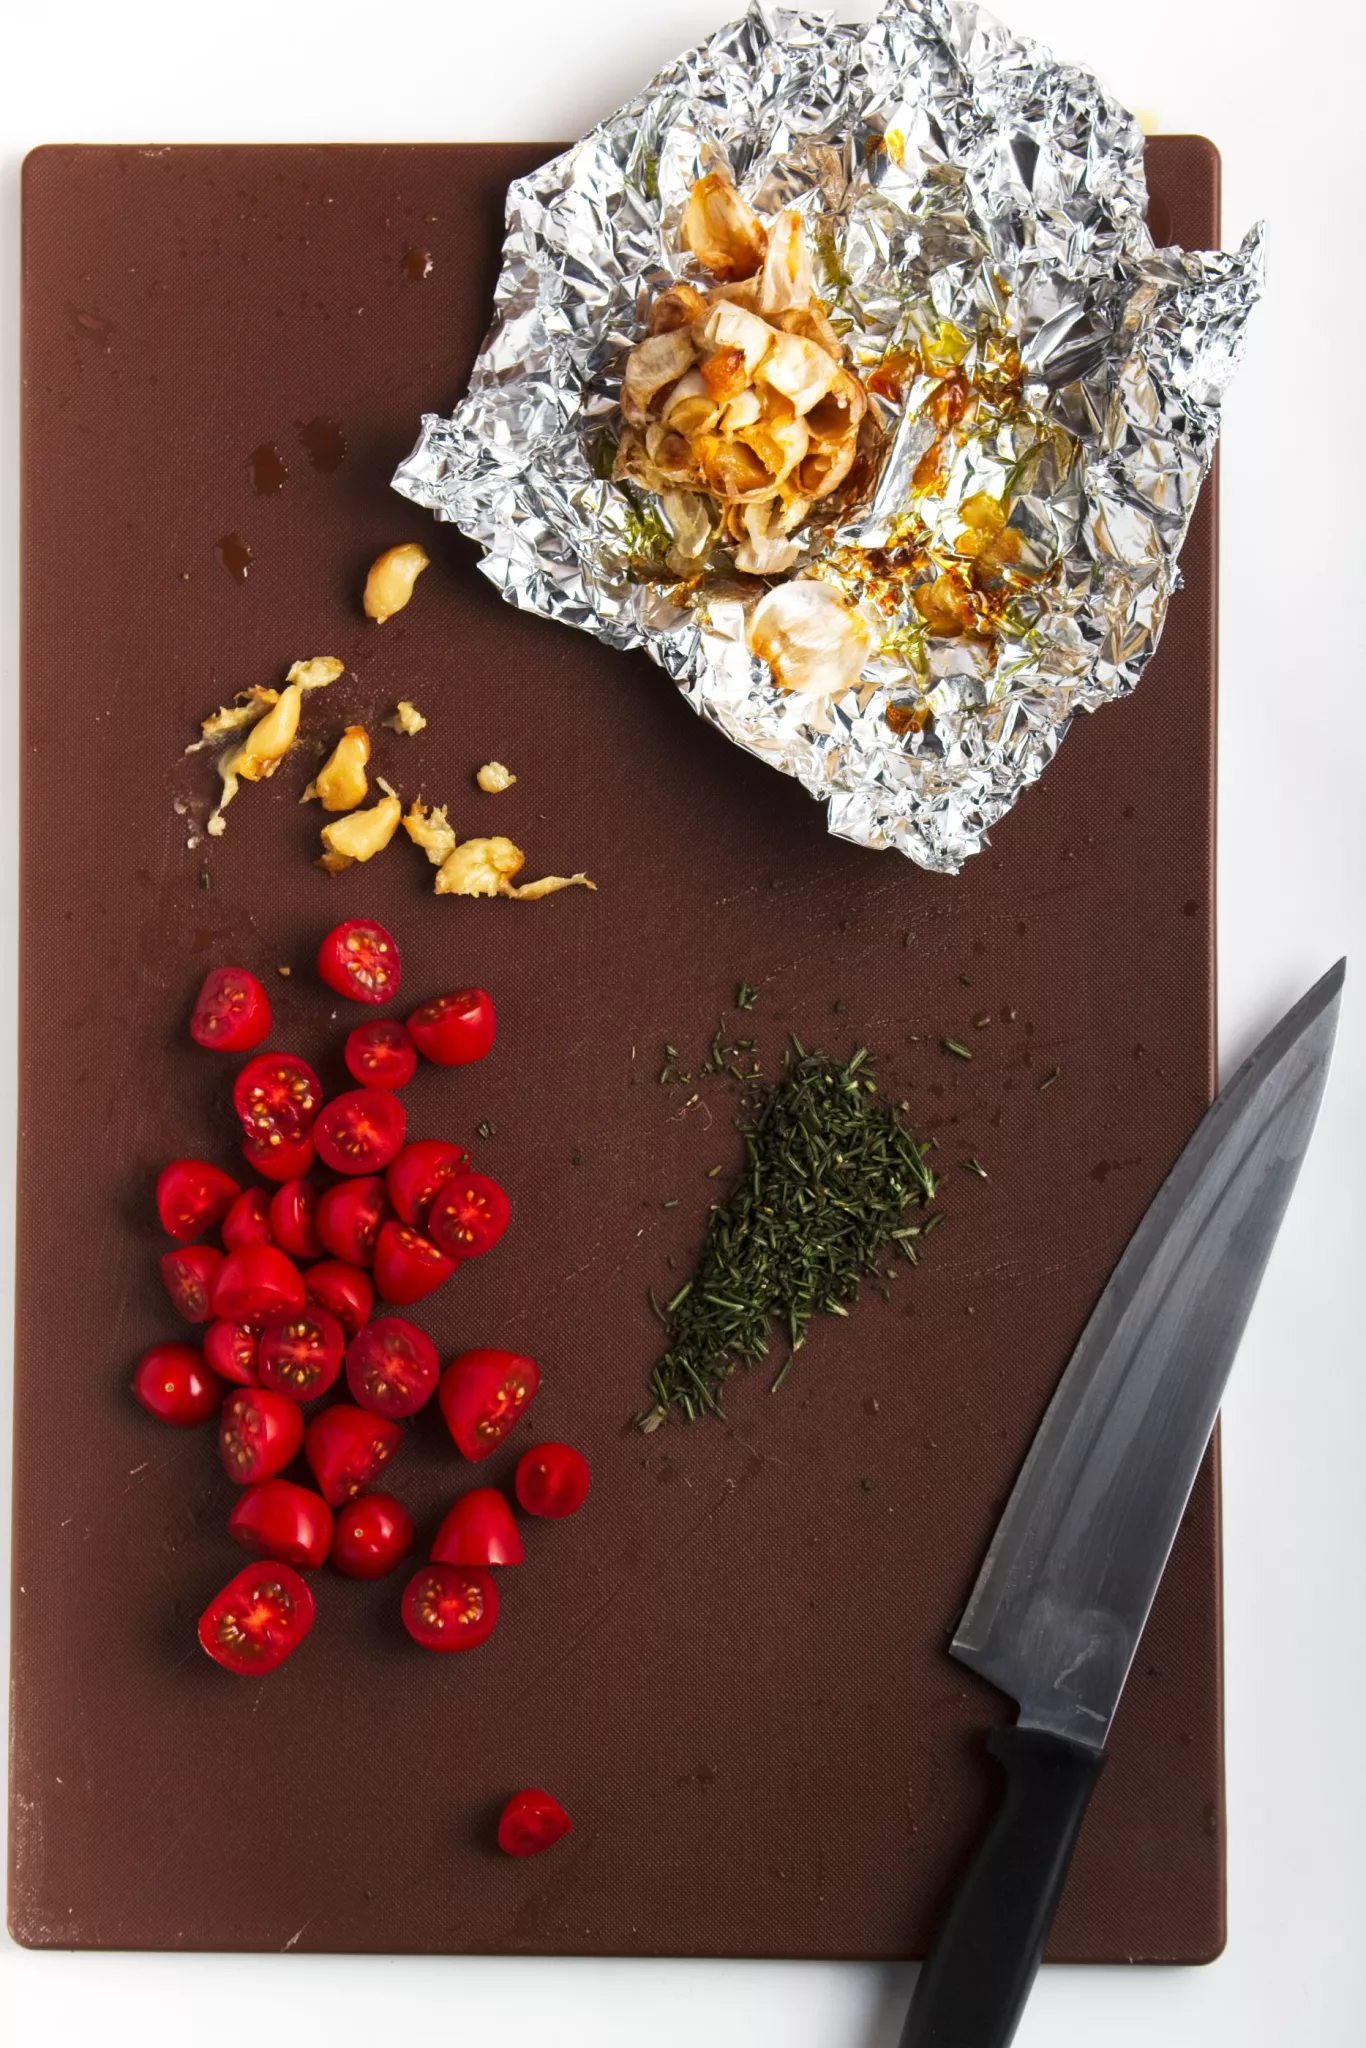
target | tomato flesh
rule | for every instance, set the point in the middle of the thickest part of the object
(292, 1210)
(455, 1029)
(361, 1131)
(372, 1535)
(480, 1529)
(256, 1283)
(276, 1158)
(231, 1011)
(248, 1220)
(258, 1619)
(414, 1178)
(359, 960)
(482, 1394)
(469, 1215)
(450, 1606)
(230, 1350)
(408, 1265)
(275, 1518)
(259, 1434)
(344, 1290)
(277, 1096)
(348, 1450)
(189, 1276)
(300, 1354)
(552, 1481)
(532, 1821)
(381, 1055)
(348, 1218)
(173, 1383)
(392, 1367)
(192, 1196)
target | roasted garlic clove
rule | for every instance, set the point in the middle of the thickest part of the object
(840, 411)
(406, 719)
(825, 466)
(389, 584)
(431, 831)
(679, 306)
(671, 455)
(650, 367)
(721, 231)
(245, 709)
(691, 526)
(493, 778)
(692, 407)
(316, 673)
(531, 892)
(813, 643)
(340, 784)
(810, 322)
(730, 326)
(361, 835)
(479, 868)
(786, 278)
(764, 535)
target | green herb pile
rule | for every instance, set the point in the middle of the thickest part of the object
(829, 1175)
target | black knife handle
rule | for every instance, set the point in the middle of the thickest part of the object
(973, 1987)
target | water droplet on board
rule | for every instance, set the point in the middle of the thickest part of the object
(267, 468)
(93, 325)
(233, 552)
(322, 441)
(417, 264)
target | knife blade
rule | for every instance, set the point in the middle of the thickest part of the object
(1060, 1602)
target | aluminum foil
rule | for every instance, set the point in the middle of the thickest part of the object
(956, 180)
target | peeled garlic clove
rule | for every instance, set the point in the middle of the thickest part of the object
(363, 834)
(786, 279)
(651, 366)
(431, 831)
(493, 778)
(389, 584)
(813, 643)
(270, 739)
(479, 868)
(721, 231)
(340, 783)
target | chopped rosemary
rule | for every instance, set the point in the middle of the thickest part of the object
(745, 994)
(484, 1129)
(975, 1166)
(960, 1052)
(1049, 1078)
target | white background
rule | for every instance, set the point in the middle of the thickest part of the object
(1280, 89)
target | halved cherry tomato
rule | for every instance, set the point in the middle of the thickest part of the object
(192, 1196)
(469, 1215)
(174, 1384)
(415, 1176)
(450, 1606)
(552, 1480)
(248, 1220)
(277, 1096)
(259, 1434)
(277, 1158)
(381, 1055)
(231, 1011)
(256, 1283)
(292, 1209)
(392, 1367)
(347, 1219)
(189, 1277)
(453, 1030)
(348, 1450)
(532, 1821)
(372, 1535)
(257, 1619)
(230, 1348)
(345, 1291)
(482, 1394)
(300, 1354)
(276, 1518)
(359, 960)
(361, 1131)
(479, 1529)
(408, 1265)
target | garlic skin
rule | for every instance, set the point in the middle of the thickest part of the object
(389, 584)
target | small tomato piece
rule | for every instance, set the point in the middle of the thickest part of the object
(300, 1354)
(192, 1196)
(277, 1096)
(173, 1383)
(259, 1434)
(280, 1158)
(392, 1367)
(344, 1290)
(248, 1220)
(372, 1535)
(469, 1215)
(361, 1131)
(482, 1394)
(450, 1606)
(408, 1265)
(381, 1055)
(347, 1219)
(359, 960)
(480, 1529)
(292, 1209)
(532, 1821)
(348, 1450)
(231, 1011)
(414, 1178)
(230, 1350)
(189, 1276)
(552, 1480)
(257, 1620)
(276, 1518)
(256, 1283)
(455, 1029)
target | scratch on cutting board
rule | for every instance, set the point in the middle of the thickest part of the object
(294, 1939)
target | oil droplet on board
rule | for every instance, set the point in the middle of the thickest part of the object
(92, 324)
(322, 441)
(417, 264)
(267, 468)
(233, 552)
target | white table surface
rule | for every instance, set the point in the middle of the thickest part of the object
(1279, 88)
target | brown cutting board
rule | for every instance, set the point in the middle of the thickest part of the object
(731, 1665)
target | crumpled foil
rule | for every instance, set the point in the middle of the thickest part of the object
(955, 179)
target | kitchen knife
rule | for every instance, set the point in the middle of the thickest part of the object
(1061, 1599)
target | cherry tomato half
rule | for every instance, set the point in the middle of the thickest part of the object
(259, 1434)
(292, 1209)
(450, 1606)
(300, 1354)
(230, 1349)
(381, 1055)
(532, 1821)
(372, 1535)
(174, 1384)
(347, 1219)
(256, 1283)
(479, 1529)
(277, 1096)
(344, 1290)
(257, 1619)
(192, 1196)
(248, 1220)
(361, 1131)
(418, 1172)
(276, 1518)
(407, 1265)
(189, 1277)
(348, 1450)
(469, 1215)
(277, 1158)
(552, 1480)
(392, 1367)
(231, 1011)
(453, 1030)
(482, 1394)
(359, 960)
